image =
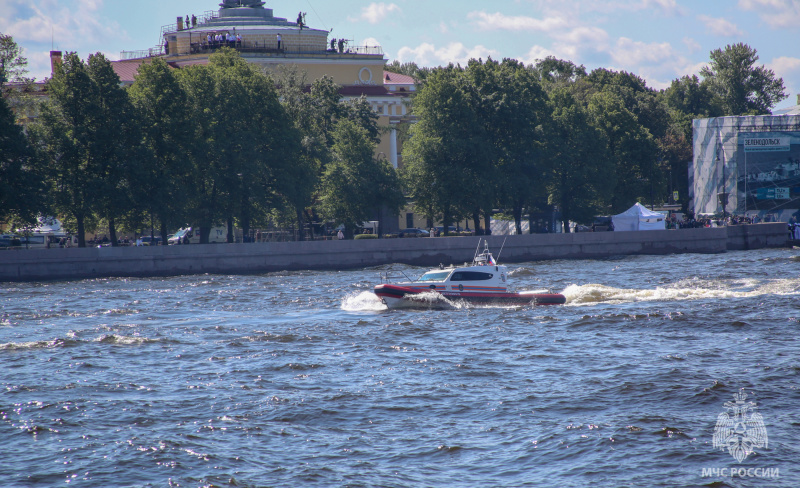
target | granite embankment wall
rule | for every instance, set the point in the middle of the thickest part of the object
(74, 263)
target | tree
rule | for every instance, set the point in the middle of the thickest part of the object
(301, 176)
(13, 65)
(21, 184)
(631, 148)
(512, 107)
(161, 186)
(114, 144)
(447, 159)
(64, 136)
(582, 177)
(314, 115)
(687, 98)
(355, 182)
(557, 73)
(240, 132)
(743, 88)
(420, 74)
(87, 136)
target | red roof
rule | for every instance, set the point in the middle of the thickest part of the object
(390, 78)
(126, 70)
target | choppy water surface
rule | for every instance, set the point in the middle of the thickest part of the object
(304, 379)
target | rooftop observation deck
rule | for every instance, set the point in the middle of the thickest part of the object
(259, 35)
(254, 47)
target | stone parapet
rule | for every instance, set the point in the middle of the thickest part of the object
(74, 263)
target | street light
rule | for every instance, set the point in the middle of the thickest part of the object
(723, 195)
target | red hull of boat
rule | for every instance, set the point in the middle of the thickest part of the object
(394, 292)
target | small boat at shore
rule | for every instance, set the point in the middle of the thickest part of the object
(484, 282)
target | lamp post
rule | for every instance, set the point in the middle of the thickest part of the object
(723, 195)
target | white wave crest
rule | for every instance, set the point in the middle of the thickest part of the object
(364, 301)
(595, 293)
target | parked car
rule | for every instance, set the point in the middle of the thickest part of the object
(178, 237)
(602, 224)
(413, 232)
(149, 241)
(451, 229)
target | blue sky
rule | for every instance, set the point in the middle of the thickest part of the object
(659, 40)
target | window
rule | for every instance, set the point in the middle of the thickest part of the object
(471, 276)
(434, 276)
(409, 220)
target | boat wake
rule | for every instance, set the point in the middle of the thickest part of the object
(365, 301)
(590, 294)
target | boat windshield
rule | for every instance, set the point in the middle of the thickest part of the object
(434, 276)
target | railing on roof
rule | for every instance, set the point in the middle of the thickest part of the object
(249, 47)
(203, 18)
(145, 53)
(271, 47)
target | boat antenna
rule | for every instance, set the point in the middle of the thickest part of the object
(477, 249)
(501, 249)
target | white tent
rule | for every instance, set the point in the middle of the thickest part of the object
(639, 217)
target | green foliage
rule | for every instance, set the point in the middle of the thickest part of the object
(582, 174)
(365, 236)
(21, 182)
(742, 87)
(409, 69)
(630, 147)
(512, 109)
(220, 143)
(161, 179)
(242, 141)
(557, 73)
(355, 183)
(65, 139)
(447, 161)
(13, 65)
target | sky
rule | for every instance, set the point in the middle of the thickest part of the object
(659, 40)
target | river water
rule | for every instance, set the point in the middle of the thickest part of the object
(300, 379)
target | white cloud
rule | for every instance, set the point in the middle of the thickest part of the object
(692, 45)
(788, 69)
(370, 41)
(785, 67)
(427, 54)
(487, 21)
(720, 26)
(776, 13)
(376, 12)
(668, 7)
(576, 7)
(537, 53)
(590, 36)
(628, 52)
(68, 25)
(74, 24)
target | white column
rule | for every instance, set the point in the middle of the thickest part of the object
(393, 147)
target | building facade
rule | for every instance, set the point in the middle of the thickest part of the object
(271, 42)
(747, 165)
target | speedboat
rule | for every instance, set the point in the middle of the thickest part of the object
(483, 282)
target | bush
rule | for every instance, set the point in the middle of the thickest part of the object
(366, 236)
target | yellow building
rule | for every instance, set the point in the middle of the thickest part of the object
(269, 41)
